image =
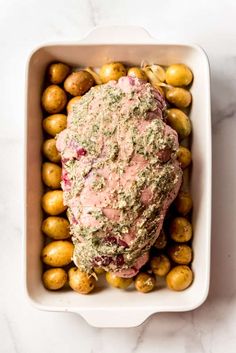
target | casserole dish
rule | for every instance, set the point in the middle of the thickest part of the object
(113, 308)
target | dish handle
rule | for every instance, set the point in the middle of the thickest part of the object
(114, 318)
(118, 35)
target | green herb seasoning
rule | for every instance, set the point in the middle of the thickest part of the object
(119, 158)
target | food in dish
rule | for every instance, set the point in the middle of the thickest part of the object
(121, 170)
(120, 174)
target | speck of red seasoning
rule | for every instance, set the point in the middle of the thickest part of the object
(81, 152)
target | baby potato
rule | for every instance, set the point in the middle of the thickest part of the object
(50, 151)
(138, 73)
(56, 227)
(112, 71)
(81, 282)
(179, 75)
(144, 282)
(57, 72)
(184, 156)
(161, 241)
(183, 203)
(57, 253)
(180, 97)
(180, 230)
(118, 282)
(52, 202)
(55, 278)
(51, 175)
(78, 83)
(179, 121)
(179, 278)
(54, 124)
(181, 254)
(54, 99)
(71, 103)
(160, 265)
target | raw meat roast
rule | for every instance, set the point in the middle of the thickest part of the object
(120, 174)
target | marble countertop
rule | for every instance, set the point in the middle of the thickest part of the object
(29, 23)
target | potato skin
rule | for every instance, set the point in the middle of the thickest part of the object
(179, 278)
(181, 254)
(160, 265)
(80, 282)
(51, 175)
(179, 121)
(55, 278)
(54, 99)
(180, 230)
(50, 151)
(118, 282)
(56, 227)
(54, 124)
(183, 203)
(184, 156)
(144, 282)
(112, 71)
(57, 72)
(71, 103)
(178, 96)
(179, 75)
(58, 253)
(52, 202)
(78, 83)
(138, 73)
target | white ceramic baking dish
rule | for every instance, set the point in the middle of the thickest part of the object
(110, 307)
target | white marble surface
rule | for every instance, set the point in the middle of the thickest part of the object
(26, 24)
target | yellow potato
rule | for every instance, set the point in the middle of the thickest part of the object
(54, 99)
(57, 72)
(144, 282)
(58, 253)
(178, 75)
(51, 175)
(73, 101)
(183, 203)
(112, 71)
(180, 230)
(57, 228)
(161, 241)
(179, 121)
(54, 124)
(55, 278)
(179, 278)
(160, 265)
(80, 282)
(180, 97)
(50, 151)
(181, 254)
(138, 73)
(118, 282)
(52, 202)
(184, 156)
(78, 83)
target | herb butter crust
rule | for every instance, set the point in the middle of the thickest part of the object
(120, 174)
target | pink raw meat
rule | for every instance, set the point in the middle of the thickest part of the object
(120, 174)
